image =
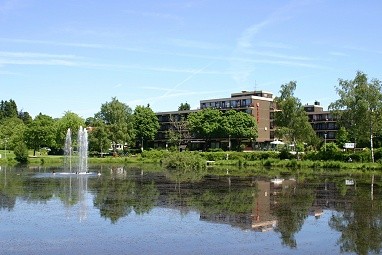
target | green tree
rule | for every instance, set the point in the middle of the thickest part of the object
(99, 137)
(206, 123)
(21, 152)
(25, 117)
(119, 120)
(342, 137)
(239, 125)
(146, 123)
(184, 107)
(41, 132)
(12, 131)
(359, 108)
(69, 120)
(292, 123)
(8, 109)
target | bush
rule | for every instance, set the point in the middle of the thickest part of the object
(21, 152)
(184, 160)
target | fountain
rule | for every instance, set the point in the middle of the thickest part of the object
(68, 151)
(82, 150)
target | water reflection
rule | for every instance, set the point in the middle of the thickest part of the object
(256, 203)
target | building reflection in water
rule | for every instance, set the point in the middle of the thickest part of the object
(262, 219)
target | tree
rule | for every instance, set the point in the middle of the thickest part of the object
(8, 109)
(146, 123)
(292, 123)
(25, 117)
(119, 120)
(99, 137)
(41, 132)
(359, 108)
(206, 123)
(69, 120)
(21, 152)
(12, 132)
(342, 137)
(239, 125)
(178, 131)
(213, 123)
(184, 107)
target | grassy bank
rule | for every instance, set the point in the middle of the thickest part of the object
(219, 159)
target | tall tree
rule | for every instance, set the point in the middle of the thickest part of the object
(8, 109)
(146, 123)
(359, 108)
(292, 123)
(41, 132)
(119, 120)
(178, 131)
(99, 137)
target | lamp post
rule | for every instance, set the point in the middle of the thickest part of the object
(325, 141)
(142, 143)
(229, 142)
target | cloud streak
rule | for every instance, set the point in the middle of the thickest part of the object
(242, 70)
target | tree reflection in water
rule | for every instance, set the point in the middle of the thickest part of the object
(360, 222)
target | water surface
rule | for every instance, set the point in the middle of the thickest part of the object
(132, 211)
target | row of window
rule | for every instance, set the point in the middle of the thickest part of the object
(227, 104)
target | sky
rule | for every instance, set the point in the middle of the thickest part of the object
(60, 56)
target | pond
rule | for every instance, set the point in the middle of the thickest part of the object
(128, 210)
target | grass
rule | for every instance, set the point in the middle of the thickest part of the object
(235, 160)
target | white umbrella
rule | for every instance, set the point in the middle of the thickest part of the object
(277, 142)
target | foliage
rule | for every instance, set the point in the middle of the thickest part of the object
(178, 132)
(184, 107)
(8, 109)
(187, 161)
(21, 152)
(146, 123)
(69, 120)
(119, 121)
(359, 107)
(292, 124)
(206, 123)
(41, 132)
(11, 132)
(213, 123)
(239, 125)
(99, 138)
(342, 137)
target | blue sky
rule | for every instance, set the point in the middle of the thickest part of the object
(58, 56)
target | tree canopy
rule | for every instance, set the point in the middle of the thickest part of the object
(213, 123)
(119, 120)
(292, 124)
(184, 107)
(41, 132)
(146, 123)
(359, 107)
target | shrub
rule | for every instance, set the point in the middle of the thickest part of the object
(184, 160)
(21, 152)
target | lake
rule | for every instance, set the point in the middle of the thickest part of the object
(130, 210)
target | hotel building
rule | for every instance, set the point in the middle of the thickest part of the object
(260, 104)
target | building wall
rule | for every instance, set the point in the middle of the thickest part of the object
(323, 122)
